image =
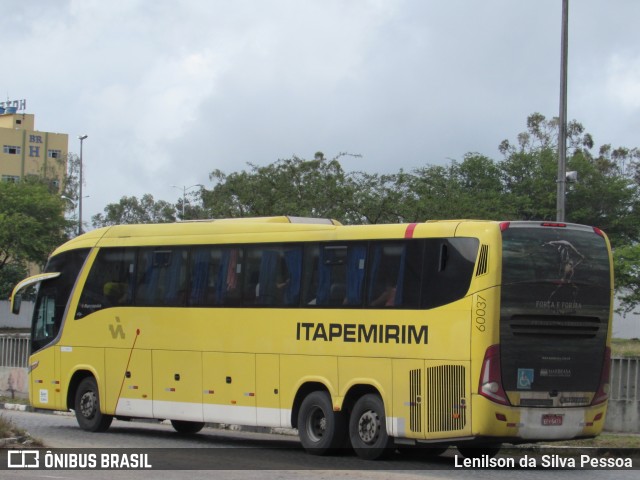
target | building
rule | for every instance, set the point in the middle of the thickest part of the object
(27, 151)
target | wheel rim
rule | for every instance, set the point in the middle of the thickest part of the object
(88, 403)
(316, 425)
(369, 427)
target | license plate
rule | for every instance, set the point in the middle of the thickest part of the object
(552, 419)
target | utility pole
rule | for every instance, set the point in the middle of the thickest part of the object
(562, 127)
(82, 138)
(185, 189)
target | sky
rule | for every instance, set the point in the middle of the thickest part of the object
(169, 91)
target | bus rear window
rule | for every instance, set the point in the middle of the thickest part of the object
(561, 255)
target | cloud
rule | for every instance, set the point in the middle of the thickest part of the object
(168, 92)
(623, 80)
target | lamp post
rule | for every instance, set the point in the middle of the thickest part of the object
(562, 127)
(82, 138)
(184, 193)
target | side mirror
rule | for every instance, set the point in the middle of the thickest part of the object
(15, 304)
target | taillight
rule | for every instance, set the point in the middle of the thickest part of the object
(603, 388)
(598, 231)
(554, 224)
(504, 226)
(490, 377)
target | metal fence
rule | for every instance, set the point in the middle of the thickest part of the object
(625, 376)
(14, 350)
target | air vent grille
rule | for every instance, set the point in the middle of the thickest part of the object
(554, 326)
(483, 261)
(415, 407)
(446, 398)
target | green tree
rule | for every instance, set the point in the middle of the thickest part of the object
(467, 189)
(10, 275)
(133, 210)
(372, 198)
(604, 197)
(293, 186)
(605, 194)
(627, 275)
(32, 222)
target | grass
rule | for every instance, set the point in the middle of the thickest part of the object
(16, 400)
(605, 440)
(22, 438)
(622, 347)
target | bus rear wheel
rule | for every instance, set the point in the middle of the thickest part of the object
(367, 428)
(87, 406)
(321, 430)
(182, 426)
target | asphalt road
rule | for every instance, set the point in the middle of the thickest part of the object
(245, 455)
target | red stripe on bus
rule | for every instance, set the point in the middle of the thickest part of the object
(410, 228)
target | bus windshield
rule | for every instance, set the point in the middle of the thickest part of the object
(53, 296)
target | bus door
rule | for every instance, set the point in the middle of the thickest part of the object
(44, 366)
(44, 363)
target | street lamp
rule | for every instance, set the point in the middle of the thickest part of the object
(81, 138)
(184, 193)
(562, 127)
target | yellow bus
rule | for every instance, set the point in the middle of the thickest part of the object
(444, 333)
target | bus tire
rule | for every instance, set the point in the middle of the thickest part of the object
(182, 426)
(87, 406)
(368, 429)
(321, 430)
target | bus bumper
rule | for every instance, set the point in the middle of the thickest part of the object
(528, 424)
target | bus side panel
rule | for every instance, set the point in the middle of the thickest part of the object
(268, 390)
(376, 372)
(87, 359)
(297, 370)
(229, 387)
(44, 385)
(128, 382)
(177, 385)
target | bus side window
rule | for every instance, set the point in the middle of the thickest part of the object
(447, 269)
(310, 279)
(162, 277)
(205, 262)
(229, 277)
(273, 275)
(394, 274)
(386, 272)
(334, 275)
(110, 281)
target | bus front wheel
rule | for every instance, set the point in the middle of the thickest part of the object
(87, 406)
(367, 428)
(321, 430)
